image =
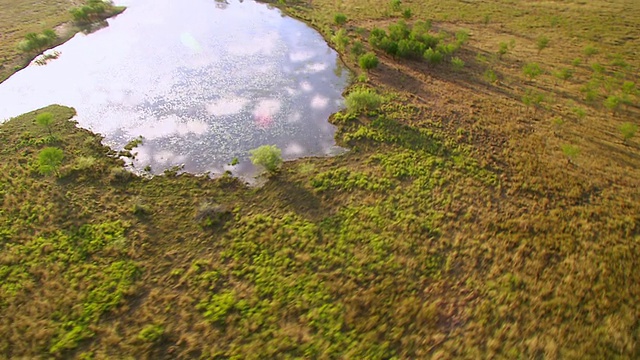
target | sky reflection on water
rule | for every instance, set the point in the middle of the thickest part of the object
(202, 81)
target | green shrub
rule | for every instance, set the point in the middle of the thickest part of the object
(597, 68)
(267, 156)
(462, 36)
(502, 49)
(85, 162)
(532, 98)
(410, 49)
(368, 61)
(628, 130)
(45, 119)
(37, 42)
(340, 19)
(362, 100)
(395, 5)
(531, 70)
(433, 56)
(590, 50)
(340, 39)
(406, 13)
(570, 151)
(49, 160)
(457, 63)
(576, 62)
(629, 88)
(119, 174)
(580, 113)
(151, 333)
(612, 103)
(542, 43)
(447, 49)
(490, 76)
(399, 30)
(563, 74)
(357, 48)
(379, 39)
(92, 11)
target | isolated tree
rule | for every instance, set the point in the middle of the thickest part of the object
(45, 119)
(267, 156)
(49, 160)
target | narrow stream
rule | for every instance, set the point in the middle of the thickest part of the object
(202, 81)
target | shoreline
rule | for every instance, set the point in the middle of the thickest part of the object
(70, 30)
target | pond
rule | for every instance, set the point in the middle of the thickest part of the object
(202, 82)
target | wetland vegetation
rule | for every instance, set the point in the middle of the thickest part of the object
(489, 206)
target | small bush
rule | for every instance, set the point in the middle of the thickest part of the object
(49, 160)
(340, 19)
(368, 61)
(576, 62)
(399, 30)
(457, 63)
(612, 103)
(340, 39)
(37, 42)
(267, 156)
(570, 151)
(363, 100)
(502, 49)
(563, 74)
(395, 5)
(597, 68)
(532, 98)
(490, 76)
(406, 13)
(119, 174)
(531, 70)
(628, 130)
(357, 48)
(462, 36)
(410, 49)
(590, 50)
(85, 162)
(580, 113)
(542, 43)
(45, 119)
(151, 333)
(433, 56)
(629, 88)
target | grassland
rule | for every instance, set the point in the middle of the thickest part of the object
(475, 217)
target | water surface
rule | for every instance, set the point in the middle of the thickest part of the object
(202, 81)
